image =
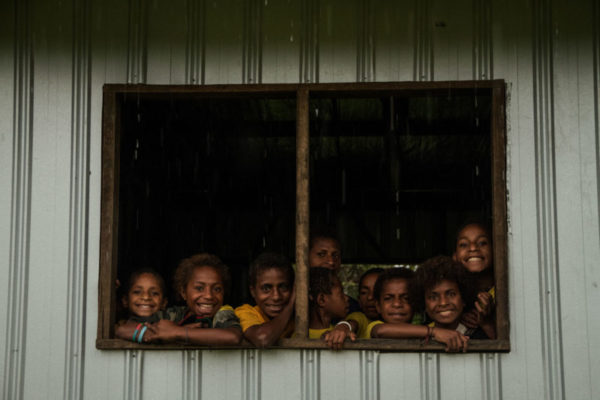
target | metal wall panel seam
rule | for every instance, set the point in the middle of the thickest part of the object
(310, 374)
(423, 48)
(132, 382)
(369, 375)
(137, 42)
(596, 45)
(491, 375)
(191, 384)
(251, 372)
(78, 202)
(195, 54)
(20, 216)
(309, 45)
(482, 40)
(429, 367)
(365, 63)
(549, 285)
(252, 47)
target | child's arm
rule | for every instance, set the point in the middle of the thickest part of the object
(482, 315)
(126, 330)
(169, 331)
(454, 341)
(268, 333)
(336, 337)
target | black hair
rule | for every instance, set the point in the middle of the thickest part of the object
(134, 276)
(322, 281)
(322, 232)
(438, 269)
(389, 275)
(484, 225)
(267, 261)
(186, 267)
(370, 271)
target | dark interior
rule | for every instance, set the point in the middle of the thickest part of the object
(394, 173)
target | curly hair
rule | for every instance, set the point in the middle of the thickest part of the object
(438, 269)
(267, 261)
(322, 281)
(322, 232)
(377, 271)
(389, 275)
(186, 267)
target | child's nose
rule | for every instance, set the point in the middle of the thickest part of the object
(276, 294)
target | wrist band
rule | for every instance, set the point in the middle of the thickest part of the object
(345, 323)
(142, 334)
(137, 329)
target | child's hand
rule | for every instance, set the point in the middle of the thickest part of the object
(163, 330)
(336, 337)
(455, 341)
(471, 319)
(484, 304)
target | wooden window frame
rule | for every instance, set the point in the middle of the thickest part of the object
(110, 199)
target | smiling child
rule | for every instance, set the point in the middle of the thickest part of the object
(474, 252)
(272, 287)
(145, 295)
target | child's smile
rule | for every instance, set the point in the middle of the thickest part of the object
(444, 304)
(473, 249)
(204, 292)
(393, 302)
(145, 297)
(272, 291)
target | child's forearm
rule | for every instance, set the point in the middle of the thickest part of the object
(268, 333)
(125, 330)
(489, 327)
(399, 330)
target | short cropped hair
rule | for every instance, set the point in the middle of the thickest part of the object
(322, 232)
(322, 281)
(267, 261)
(134, 276)
(434, 271)
(186, 267)
(389, 275)
(484, 225)
(377, 271)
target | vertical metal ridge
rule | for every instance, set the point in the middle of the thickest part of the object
(482, 40)
(196, 42)
(310, 374)
(365, 63)
(191, 385)
(549, 285)
(20, 215)
(596, 46)
(309, 42)
(251, 372)
(78, 201)
(369, 375)
(137, 42)
(252, 47)
(423, 49)
(132, 382)
(429, 366)
(491, 386)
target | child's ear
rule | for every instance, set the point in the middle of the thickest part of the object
(164, 304)
(253, 292)
(182, 294)
(454, 257)
(125, 302)
(321, 300)
(377, 307)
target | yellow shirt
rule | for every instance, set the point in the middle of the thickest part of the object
(250, 316)
(317, 333)
(370, 328)
(363, 322)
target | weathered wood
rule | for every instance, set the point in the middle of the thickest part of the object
(499, 210)
(302, 213)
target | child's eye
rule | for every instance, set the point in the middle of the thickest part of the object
(265, 288)
(335, 256)
(284, 287)
(218, 289)
(483, 243)
(364, 292)
(462, 245)
(321, 254)
(199, 288)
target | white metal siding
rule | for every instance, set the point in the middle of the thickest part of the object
(54, 58)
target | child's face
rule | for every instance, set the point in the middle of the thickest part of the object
(444, 304)
(473, 249)
(145, 297)
(336, 303)
(325, 253)
(393, 303)
(204, 292)
(272, 291)
(365, 296)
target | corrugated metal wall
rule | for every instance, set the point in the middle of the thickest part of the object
(54, 58)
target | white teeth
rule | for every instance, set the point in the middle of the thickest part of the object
(445, 313)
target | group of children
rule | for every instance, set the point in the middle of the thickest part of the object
(447, 299)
